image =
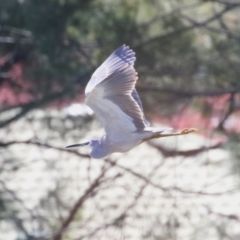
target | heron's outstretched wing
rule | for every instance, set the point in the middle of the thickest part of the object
(112, 95)
(138, 100)
(123, 55)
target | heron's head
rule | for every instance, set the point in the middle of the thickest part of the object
(97, 150)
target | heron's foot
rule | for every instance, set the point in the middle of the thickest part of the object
(188, 130)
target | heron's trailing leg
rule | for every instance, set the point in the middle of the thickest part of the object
(183, 132)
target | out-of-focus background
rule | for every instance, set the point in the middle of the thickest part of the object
(188, 60)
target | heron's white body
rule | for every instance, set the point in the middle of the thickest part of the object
(105, 146)
(124, 144)
(112, 96)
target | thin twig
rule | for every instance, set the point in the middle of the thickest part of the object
(190, 93)
(189, 153)
(230, 110)
(79, 203)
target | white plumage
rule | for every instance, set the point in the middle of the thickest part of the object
(111, 94)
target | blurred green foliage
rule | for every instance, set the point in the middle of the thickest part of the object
(185, 45)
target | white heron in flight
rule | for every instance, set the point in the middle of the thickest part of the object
(111, 94)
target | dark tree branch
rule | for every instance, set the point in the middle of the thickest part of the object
(175, 10)
(138, 175)
(44, 100)
(187, 28)
(226, 2)
(173, 153)
(79, 203)
(13, 40)
(230, 110)
(120, 218)
(189, 93)
(14, 30)
(45, 145)
(229, 217)
(217, 16)
(19, 55)
(17, 221)
(146, 179)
